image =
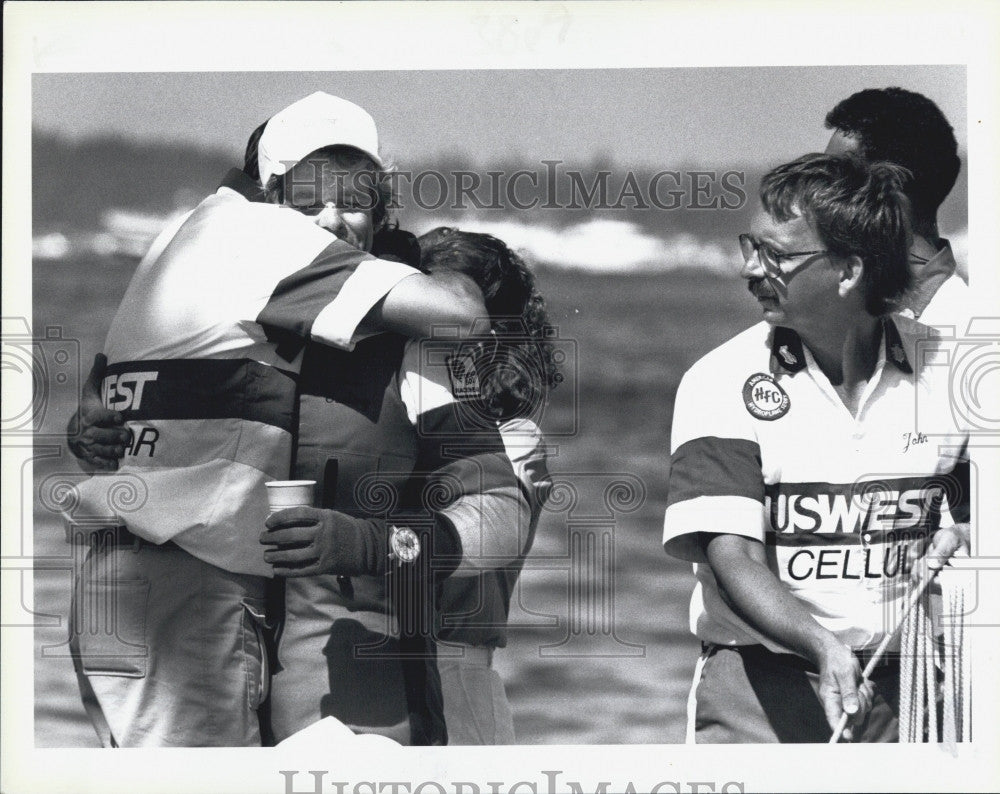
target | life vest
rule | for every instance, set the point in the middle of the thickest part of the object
(197, 370)
(356, 442)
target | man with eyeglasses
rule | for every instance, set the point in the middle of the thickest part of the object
(908, 129)
(792, 485)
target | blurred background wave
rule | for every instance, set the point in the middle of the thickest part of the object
(122, 192)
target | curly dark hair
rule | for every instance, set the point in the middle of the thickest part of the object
(521, 369)
(908, 129)
(858, 209)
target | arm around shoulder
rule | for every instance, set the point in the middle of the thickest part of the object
(97, 436)
(421, 301)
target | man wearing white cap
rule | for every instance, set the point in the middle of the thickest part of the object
(306, 128)
(202, 361)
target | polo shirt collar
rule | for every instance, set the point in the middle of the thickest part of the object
(895, 350)
(941, 264)
(927, 279)
(788, 354)
(239, 182)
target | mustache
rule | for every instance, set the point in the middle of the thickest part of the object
(759, 288)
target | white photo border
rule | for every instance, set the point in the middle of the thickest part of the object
(224, 36)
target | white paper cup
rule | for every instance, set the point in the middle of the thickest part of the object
(282, 494)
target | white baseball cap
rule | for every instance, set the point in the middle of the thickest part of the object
(307, 125)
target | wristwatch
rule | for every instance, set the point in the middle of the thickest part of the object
(404, 545)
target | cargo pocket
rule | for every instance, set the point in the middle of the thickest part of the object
(111, 630)
(255, 653)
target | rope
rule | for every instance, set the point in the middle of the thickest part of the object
(923, 656)
(952, 729)
(913, 670)
(912, 597)
(964, 670)
(957, 671)
(916, 671)
(929, 656)
(920, 677)
(908, 652)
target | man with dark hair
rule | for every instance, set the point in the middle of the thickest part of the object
(909, 130)
(791, 487)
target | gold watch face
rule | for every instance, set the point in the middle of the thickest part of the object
(405, 544)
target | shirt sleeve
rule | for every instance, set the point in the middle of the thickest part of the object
(327, 299)
(716, 484)
(463, 472)
(529, 455)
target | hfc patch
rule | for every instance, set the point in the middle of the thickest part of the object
(464, 377)
(764, 398)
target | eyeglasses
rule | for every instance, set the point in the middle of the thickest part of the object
(315, 210)
(770, 260)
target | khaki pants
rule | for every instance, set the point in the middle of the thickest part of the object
(169, 650)
(748, 694)
(338, 657)
(476, 709)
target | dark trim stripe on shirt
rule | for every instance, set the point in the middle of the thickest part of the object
(712, 466)
(873, 508)
(298, 298)
(201, 389)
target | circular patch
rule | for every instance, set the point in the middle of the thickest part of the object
(404, 544)
(764, 398)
